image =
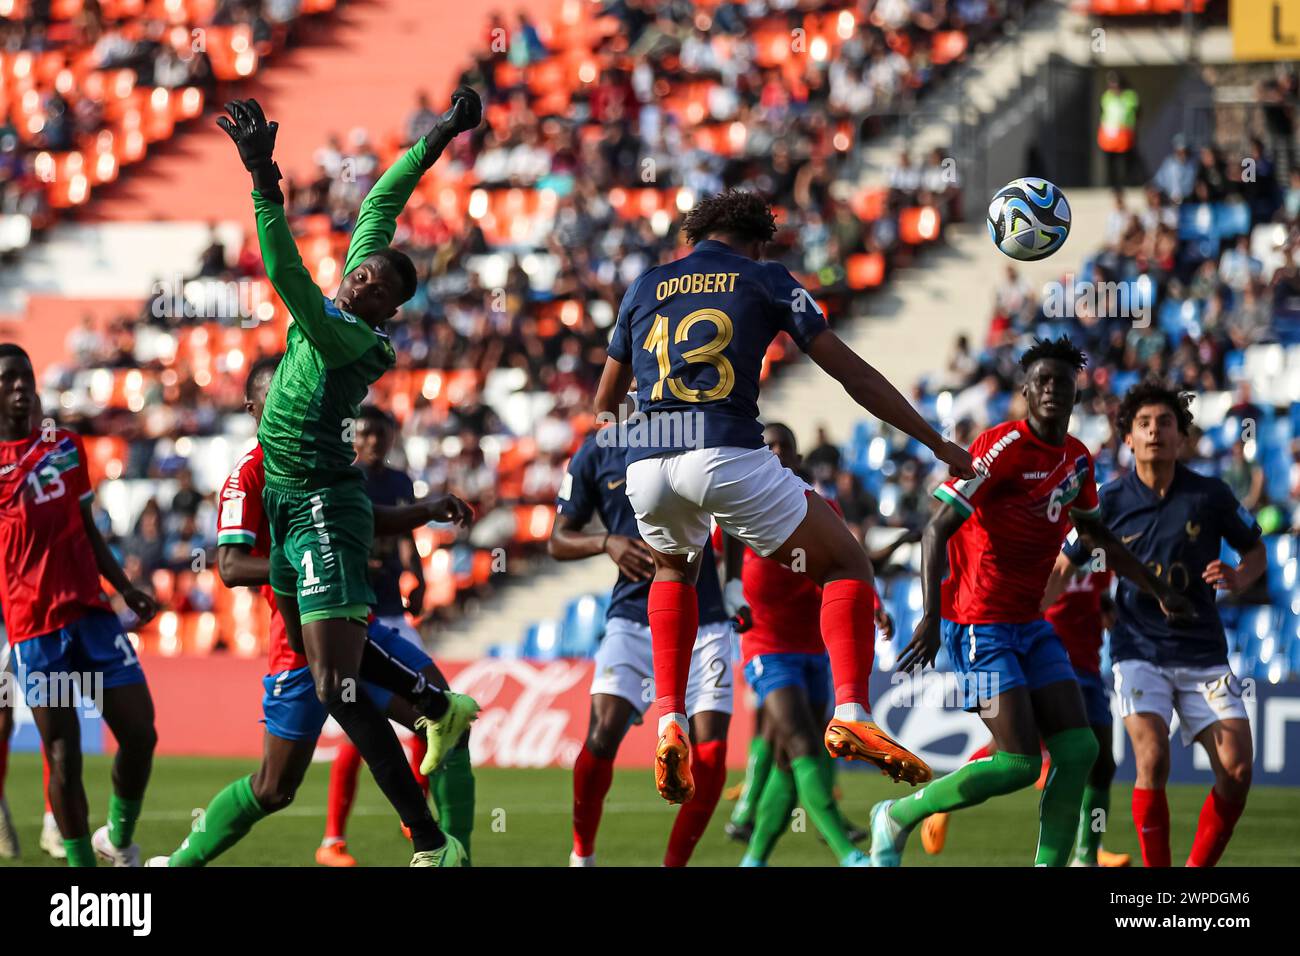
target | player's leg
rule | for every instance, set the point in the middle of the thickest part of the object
(798, 734)
(1228, 744)
(452, 781)
(61, 737)
(45, 676)
(593, 771)
(1094, 814)
(128, 712)
(1072, 746)
(8, 835)
(675, 527)
(823, 548)
(775, 804)
(51, 838)
(710, 695)
(233, 811)
(8, 696)
(993, 686)
(757, 766)
(339, 795)
(1146, 704)
(934, 829)
(102, 653)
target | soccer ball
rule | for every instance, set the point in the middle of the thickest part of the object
(1029, 219)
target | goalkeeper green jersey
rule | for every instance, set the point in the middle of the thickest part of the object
(331, 357)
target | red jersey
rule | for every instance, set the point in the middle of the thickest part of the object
(48, 574)
(1017, 511)
(1076, 618)
(241, 521)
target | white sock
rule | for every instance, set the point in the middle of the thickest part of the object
(48, 821)
(678, 719)
(851, 712)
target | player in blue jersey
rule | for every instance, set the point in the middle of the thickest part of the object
(1175, 521)
(622, 686)
(694, 333)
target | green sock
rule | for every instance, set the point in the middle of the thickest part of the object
(229, 816)
(1092, 823)
(968, 785)
(122, 817)
(80, 852)
(452, 786)
(757, 768)
(775, 805)
(829, 770)
(815, 796)
(1073, 753)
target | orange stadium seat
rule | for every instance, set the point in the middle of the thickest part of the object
(866, 270)
(919, 224)
(533, 523)
(869, 204)
(947, 46)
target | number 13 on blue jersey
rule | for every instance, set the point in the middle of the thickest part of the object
(711, 353)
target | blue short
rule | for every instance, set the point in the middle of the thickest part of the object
(92, 644)
(1096, 698)
(991, 659)
(768, 672)
(292, 711)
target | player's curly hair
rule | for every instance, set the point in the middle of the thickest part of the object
(1154, 392)
(1061, 349)
(736, 212)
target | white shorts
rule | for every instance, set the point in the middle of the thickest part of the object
(751, 494)
(625, 668)
(1201, 696)
(402, 626)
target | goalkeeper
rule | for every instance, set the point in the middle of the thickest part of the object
(315, 499)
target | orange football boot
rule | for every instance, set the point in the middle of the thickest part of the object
(673, 766)
(1107, 858)
(934, 833)
(334, 854)
(863, 740)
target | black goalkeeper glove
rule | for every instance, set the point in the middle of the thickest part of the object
(466, 113)
(255, 138)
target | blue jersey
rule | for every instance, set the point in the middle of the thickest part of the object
(388, 487)
(1176, 536)
(596, 483)
(695, 332)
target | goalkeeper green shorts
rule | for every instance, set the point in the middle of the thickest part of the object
(320, 548)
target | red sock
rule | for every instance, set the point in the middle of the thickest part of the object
(1213, 831)
(45, 779)
(1151, 817)
(343, 789)
(674, 613)
(849, 630)
(988, 750)
(709, 767)
(592, 776)
(419, 747)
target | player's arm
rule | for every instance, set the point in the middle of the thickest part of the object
(144, 606)
(1062, 571)
(377, 217)
(616, 377)
(1240, 529)
(569, 542)
(240, 568)
(924, 646)
(255, 138)
(866, 386)
(1095, 535)
(733, 587)
(436, 509)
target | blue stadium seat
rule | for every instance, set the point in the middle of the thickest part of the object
(1231, 219)
(541, 641)
(1282, 563)
(584, 621)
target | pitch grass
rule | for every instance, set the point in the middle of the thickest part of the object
(522, 819)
